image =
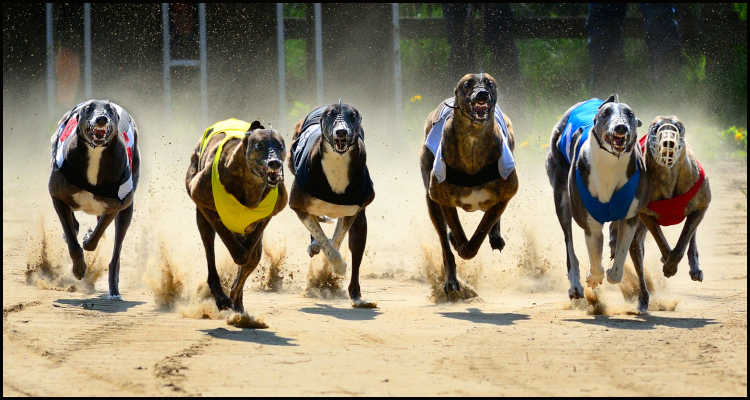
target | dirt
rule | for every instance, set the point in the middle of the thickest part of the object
(518, 334)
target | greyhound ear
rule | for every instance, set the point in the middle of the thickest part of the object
(256, 125)
(613, 98)
(638, 122)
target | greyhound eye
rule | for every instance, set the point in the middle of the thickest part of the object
(257, 146)
(467, 85)
(490, 85)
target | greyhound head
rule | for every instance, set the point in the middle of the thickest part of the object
(265, 153)
(615, 127)
(666, 140)
(341, 126)
(476, 96)
(97, 122)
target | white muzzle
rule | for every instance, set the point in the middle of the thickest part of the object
(666, 145)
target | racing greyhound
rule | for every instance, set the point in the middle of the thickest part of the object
(236, 179)
(594, 166)
(331, 179)
(95, 169)
(467, 162)
(679, 188)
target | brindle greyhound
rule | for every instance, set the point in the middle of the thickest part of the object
(95, 169)
(331, 179)
(679, 188)
(467, 162)
(236, 179)
(598, 180)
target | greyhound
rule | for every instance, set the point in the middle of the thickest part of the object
(331, 179)
(467, 162)
(95, 169)
(679, 188)
(236, 180)
(596, 181)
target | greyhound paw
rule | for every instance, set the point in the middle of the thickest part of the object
(614, 275)
(223, 303)
(79, 268)
(241, 258)
(696, 275)
(497, 243)
(115, 297)
(451, 285)
(87, 245)
(313, 249)
(642, 307)
(670, 266)
(339, 268)
(359, 303)
(593, 281)
(575, 292)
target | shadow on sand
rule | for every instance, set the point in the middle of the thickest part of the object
(645, 322)
(101, 303)
(347, 314)
(476, 316)
(250, 336)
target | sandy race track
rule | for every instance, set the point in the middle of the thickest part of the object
(62, 337)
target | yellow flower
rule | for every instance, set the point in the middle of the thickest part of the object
(738, 136)
(524, 144)
(416, 98)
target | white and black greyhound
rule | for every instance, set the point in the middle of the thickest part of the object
(331, 179)
(595, 168)
(95, 169)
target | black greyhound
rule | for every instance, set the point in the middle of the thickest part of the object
(95, 169)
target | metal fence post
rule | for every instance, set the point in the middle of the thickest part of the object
(50, 61)
(281, 60)
(319, 52)
(167, 73)
(88, 91)
(397, 63)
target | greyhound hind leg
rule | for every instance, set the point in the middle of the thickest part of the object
(565, 217)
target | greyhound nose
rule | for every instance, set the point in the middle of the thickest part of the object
(274, 164)
(621, 129)
(100, 120)
(483, 95)
(341, 133)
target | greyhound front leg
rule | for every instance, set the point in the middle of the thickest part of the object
(456, 235)
(595, 246)
(489, 219)
(695, 271)
(564, 216)
(91, 239)
(65, 213)
(674, 257)
(342, 227)
(636, 254)
(122, 222)
(657, 234)
(626, 231)
(334, 257)
(208, 235)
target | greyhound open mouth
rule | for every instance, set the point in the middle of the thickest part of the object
(99, 134)
(340, 145)
(273, 172)
(618, 139)
(480, 110)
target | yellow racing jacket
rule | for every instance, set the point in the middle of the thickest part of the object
(234, 215)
